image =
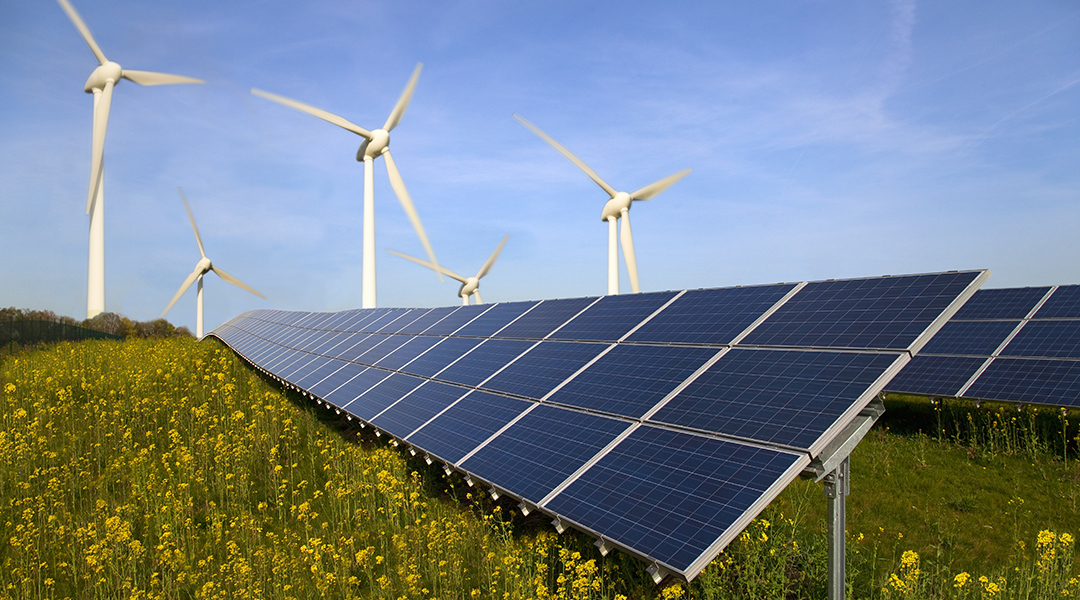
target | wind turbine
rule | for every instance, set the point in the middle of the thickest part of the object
(470, 286)
(203, 267)
(617, 207)
(376, 143)
(100, 84)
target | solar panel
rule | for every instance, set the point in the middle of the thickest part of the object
(1050, 334)
(661, 423)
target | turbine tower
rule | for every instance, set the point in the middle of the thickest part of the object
(203, 267)
(376, 143)
(100, 84)
(617, 208)
(470, 286)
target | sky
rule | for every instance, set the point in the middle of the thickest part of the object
(827, 140)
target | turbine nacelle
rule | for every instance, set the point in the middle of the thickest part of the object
(204, 266)
(615, 207)
(375, 146)
(105, 72)
(469, 287)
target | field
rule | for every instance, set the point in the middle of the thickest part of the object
(168, 469)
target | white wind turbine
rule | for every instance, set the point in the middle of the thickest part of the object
(203, 267)
(100, 84)
(470, 286)
(376, 143)
(617, 207)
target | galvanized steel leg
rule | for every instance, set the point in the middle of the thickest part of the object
(837, 489)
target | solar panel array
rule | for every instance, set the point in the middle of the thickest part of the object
(1010, 344)
(660, 423)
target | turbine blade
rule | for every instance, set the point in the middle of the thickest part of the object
(315, 112)
(191, 217)
(152, 78)
(83, 29)
(234, 281)
(183, 288)
(97, 151)
(628, 251)
(577, 161)
(436, 268)
(650, 191)
(406, 202)
(403, 101)
(491, 259)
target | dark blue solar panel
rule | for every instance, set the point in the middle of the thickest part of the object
(336, 321)
(406, 319)
(1064, 303)
(542, 449)
(1004, 303)
(483, 361)
(382, 349)
(465, 425)
(330, 343)
(428, 319)
(386, 317)
(324, 367)
(316, 339)
(336, 379)
(1055, 382)
(543, 367)
(888, 312)
(710, 316)
(281, 359)
(631, 379)
(359, 319)
(545, 318)
(977, 338)
(417, 408)
(351, 389)
(414, 347)
(671, 495)
(457, 319)
(354, 347)
(302, 366)
(436, 359)
(378, 398)
(494, 319)
(935, 375)
(612, 317)
(1046, 339)
(787, 397)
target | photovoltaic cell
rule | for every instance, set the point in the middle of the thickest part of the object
(407, 352)
(364, 380)
(935, 375)
(1003, 303)
(465, 425)
(672, 494)
(541, 369)
(437, 358)
(325, 368)
(483, 361)
(494, 319)
(545, 318)
(1055, 382)
(888, 312)
(788, 397)
(428, 319)
(974, 338)
(537, 453)
(334, 380)
(378, 398)
(457, 319)
(1064, 303)
(631, 379)
(1046, 339)
(612, 317)
(382, 349)
(710, 316)
(386, 318)
(418, 407)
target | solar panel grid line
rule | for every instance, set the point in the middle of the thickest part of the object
(578, 372)
(588, 465)
(686, 383)
(496, 434)
(345, 365)
(439, 414)
(564, 323)
(768, 313)
(512, 321)
(403, 320)
(942, 318)
(394, 403)
(651, 316)
(302, 361)
(975, 377)
(365, 390)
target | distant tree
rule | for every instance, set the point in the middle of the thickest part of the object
(106, 322)
(183, 331)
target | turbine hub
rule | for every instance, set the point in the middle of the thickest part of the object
(471, 285)
(373, 148)
(615, 206)
(103, 73)
(204, 265)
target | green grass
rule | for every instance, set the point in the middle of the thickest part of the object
(168, 469)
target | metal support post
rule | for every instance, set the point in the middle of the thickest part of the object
(837, 488)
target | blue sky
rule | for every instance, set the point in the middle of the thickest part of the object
(827, 139)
